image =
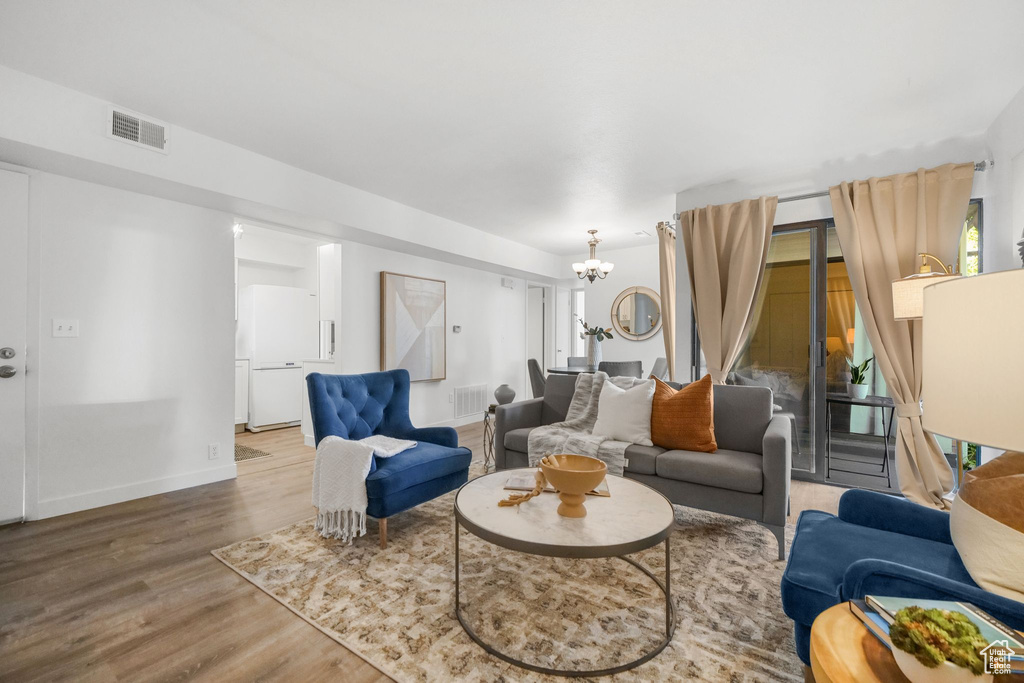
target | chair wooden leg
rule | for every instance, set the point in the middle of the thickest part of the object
(382, 526)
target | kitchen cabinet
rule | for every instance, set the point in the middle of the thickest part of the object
(241, 391)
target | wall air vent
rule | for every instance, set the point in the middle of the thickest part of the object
(470, 400)
(137, 130)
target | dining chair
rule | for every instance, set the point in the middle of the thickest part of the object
(537, 380)
(660, 369)
(577, 361)
(623, 368)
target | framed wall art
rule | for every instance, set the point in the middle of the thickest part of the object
(412, 326)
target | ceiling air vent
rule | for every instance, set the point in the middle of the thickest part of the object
(132, 128)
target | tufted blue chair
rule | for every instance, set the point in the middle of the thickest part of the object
(358, 406)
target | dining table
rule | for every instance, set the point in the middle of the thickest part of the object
(571, 369)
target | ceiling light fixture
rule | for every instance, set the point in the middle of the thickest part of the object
(593, 268)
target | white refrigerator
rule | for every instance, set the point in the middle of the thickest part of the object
(278, 328)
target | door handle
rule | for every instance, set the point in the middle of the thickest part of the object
(7, 371)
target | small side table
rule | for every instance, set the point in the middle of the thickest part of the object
(489, 438)
(844, 651)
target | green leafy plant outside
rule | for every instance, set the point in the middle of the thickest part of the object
(601, 333)
(859, 373)
(935, 636)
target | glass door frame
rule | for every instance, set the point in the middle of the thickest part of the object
(818, 230)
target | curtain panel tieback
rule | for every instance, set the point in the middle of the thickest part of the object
(908, 410)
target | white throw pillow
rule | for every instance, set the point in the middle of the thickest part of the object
(625, 414)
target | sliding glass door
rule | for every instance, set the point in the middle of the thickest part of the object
(783, 349)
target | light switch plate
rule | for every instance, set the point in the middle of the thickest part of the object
(65, 327)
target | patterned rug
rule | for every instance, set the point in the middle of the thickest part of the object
(394, 607)
(248, 453)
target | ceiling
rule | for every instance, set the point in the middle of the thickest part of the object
(536, 119)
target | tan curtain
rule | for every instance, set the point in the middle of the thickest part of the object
(882, 224)
(726, 252)
(667, 265)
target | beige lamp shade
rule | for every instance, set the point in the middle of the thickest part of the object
(973, 359)
(908, 294)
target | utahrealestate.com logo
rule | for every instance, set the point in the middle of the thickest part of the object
(997, 657)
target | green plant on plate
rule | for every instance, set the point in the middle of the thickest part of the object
(935, 636)
(601, 333)
(859, 373)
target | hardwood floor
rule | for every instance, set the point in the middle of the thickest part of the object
(131, 592)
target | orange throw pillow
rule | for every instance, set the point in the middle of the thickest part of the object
(684, 419)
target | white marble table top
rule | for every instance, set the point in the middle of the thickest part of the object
(632, 518)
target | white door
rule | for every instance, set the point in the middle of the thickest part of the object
(13, 340)
(563, 327)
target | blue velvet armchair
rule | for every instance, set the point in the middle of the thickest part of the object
(877, 545)
(358, 406)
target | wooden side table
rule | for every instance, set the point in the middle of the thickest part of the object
(844, 651)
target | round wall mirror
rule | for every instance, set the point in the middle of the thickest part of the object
(636, 313)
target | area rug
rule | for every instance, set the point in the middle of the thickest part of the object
(248, 453)
(394, 607)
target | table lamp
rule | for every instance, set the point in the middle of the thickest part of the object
(907, 293)
(973, 360)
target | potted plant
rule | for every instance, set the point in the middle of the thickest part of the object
(938, 645)
(594, 337)
(857, 387)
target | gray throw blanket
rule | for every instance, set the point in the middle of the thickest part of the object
(575, 434)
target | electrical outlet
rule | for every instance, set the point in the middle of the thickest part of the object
(65, 327)
(451, 397)
(214, 451)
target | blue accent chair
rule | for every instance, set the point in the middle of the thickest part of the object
(877, 545)
(358, 406)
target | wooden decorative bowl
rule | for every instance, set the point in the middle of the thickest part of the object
(573, 476)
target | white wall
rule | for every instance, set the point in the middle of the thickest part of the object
(491, 349)
(1004, 205)
(535, 325)
(47, 126)
(129, 408)
(634, 267)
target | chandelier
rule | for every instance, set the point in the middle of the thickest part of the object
(593, 268)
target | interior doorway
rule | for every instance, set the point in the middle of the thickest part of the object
(536, 317)
(287, 296)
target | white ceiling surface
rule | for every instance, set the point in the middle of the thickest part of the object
(532, 119)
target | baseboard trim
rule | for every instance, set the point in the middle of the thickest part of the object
(458, 421)
(119, 494)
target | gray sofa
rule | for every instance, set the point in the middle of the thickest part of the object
(747, 477)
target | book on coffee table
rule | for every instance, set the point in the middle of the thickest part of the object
(525, 481)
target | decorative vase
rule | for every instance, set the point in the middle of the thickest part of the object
(593, 351)
(504, 394)
(947, 672)
(573, 476)
(857, 390)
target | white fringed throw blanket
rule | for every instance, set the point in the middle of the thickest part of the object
(575, 434)
(339, 482)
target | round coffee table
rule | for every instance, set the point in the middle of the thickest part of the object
(635, 517)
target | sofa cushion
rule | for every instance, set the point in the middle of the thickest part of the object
(641, 459)
(518, 439)
(742, 415)
(724, 469)
(824, 548)
(558, 392)
(684, 419)
(625, 414)
(417, 465)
